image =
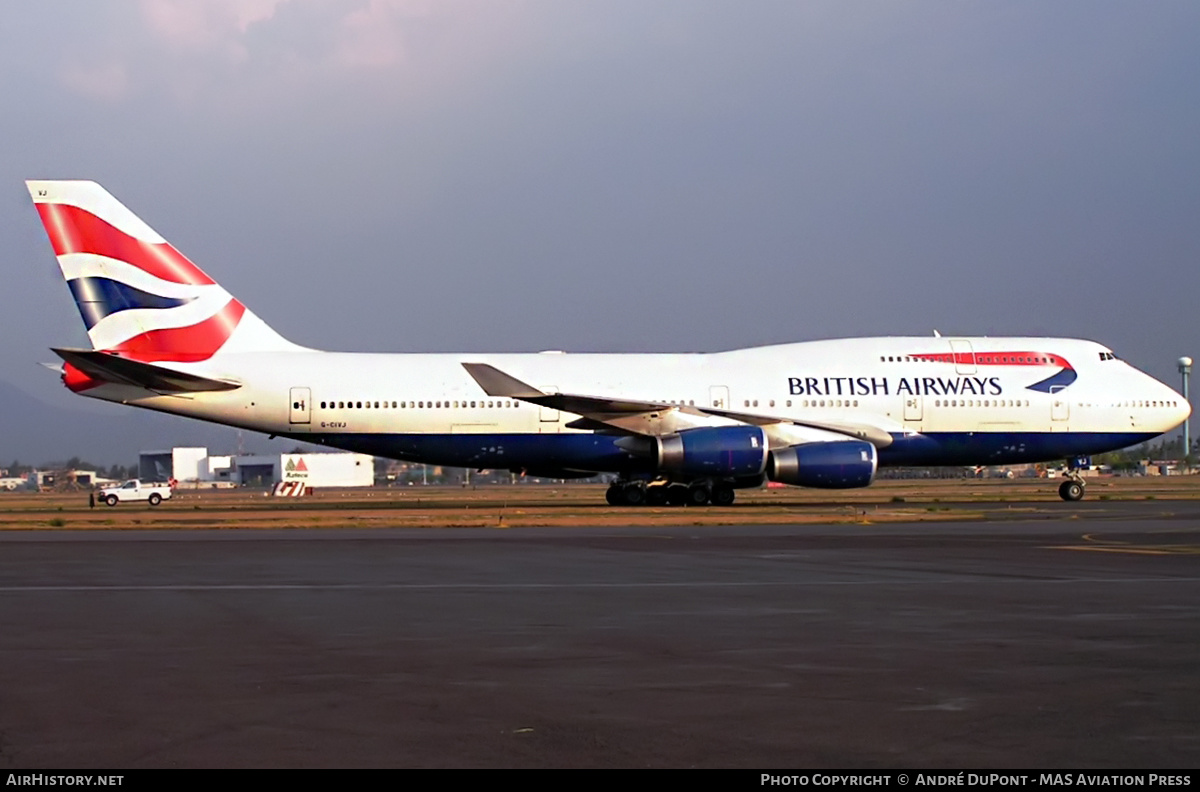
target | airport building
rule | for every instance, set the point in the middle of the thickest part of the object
(195, 468)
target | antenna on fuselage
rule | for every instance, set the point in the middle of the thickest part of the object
(936, 334)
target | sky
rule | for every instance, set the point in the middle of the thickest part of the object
(518, 175)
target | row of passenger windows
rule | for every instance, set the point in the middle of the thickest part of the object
(980, 403)
(807, 403)
(417, 405)
(966, 358)
(507, 404)
(1025, 403)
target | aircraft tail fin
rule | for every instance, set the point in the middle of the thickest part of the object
(139, 297)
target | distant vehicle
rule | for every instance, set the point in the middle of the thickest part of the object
(135, 490)
(11, 484)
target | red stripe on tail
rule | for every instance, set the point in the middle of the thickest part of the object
(184, 344)
(75, 230)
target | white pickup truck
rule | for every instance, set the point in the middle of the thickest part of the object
(135, 490)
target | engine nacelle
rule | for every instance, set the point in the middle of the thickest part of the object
(719, 451)
(838, 465)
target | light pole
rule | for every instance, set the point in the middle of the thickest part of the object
(1185, 369)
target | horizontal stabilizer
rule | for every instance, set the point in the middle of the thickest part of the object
(112, 368)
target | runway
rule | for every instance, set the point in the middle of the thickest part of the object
(1004, 643)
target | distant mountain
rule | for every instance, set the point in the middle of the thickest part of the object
(36, 432)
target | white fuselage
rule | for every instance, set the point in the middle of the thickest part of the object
(973, 392)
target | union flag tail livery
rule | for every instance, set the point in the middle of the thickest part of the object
(678, 429)
(139, 297)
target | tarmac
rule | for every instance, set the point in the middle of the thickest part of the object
(1069, 642)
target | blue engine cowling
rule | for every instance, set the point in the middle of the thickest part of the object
(838, 465)
(723, 451)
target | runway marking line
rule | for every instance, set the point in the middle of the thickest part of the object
(716, 584)
(1098, 545)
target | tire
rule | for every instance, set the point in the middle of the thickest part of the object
(634, 495)
(656, 495)
(722, 496)
(615, 496)
(677, 495)
(111, 500)
(155, 499)
(697, 496)
(1071, 491)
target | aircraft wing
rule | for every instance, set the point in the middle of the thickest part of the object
(123, 371)
(628, 416)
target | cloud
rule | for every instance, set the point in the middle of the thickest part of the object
(239, 53)
(218, 25)
(104, 82)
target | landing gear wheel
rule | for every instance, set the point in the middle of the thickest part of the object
(1071, 490)
(615, 495)
(697, 496)
(722, 496)
(111, 500)
(634, 495)
(677, 495)
(656, 495)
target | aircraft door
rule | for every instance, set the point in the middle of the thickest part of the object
(1060, 408)
(301, 409)
(964, 357)
(718, 396)
(913, 408)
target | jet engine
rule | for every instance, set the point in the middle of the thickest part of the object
(840, 464)
(716, 452)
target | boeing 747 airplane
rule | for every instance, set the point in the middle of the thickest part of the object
(681, 429)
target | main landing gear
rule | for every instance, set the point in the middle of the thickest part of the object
(662, 493)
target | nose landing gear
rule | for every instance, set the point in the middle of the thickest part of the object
(1073, 489)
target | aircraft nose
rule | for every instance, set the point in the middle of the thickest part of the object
(1181, 409)
(1185, 409)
